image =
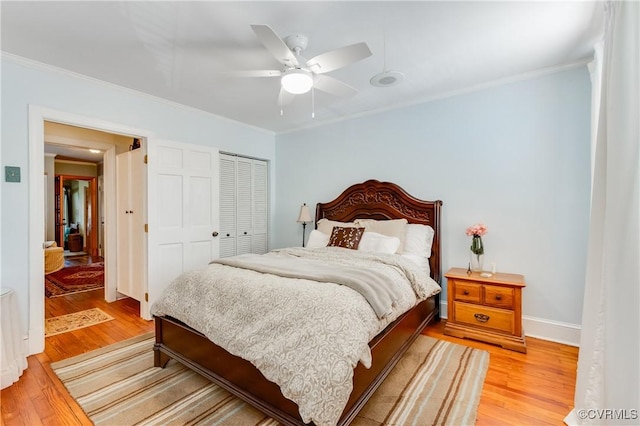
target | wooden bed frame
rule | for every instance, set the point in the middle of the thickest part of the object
(372, 200)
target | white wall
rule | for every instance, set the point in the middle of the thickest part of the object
(25, 84)
(515, 157)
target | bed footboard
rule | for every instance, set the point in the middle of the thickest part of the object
(175, 340)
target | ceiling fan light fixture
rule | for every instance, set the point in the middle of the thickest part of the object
(296, 81)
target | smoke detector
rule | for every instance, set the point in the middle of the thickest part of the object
(386, 79)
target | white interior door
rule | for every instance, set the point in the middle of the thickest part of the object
(182, 212)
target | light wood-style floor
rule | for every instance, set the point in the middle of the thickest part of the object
(535, 388)
(520, 389)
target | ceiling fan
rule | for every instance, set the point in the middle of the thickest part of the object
(299, 75)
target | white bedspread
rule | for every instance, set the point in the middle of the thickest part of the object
(303, 335)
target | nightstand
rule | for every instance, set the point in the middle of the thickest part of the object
(486, 309)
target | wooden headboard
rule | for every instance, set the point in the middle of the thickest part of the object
(385, 200)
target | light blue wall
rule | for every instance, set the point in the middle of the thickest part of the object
(515, 157)
(24, 85)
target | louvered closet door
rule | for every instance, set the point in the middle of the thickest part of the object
(244, 218)
(259, 242)
(244, 206)
(227, 205)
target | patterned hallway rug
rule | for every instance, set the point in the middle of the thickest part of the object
(435, 382)
(74, 321)
(74, 279)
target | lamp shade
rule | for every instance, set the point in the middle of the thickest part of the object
(305, 215)
(296, 81)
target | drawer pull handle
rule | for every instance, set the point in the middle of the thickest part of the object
(498, 297)
(481, 317)
(466, 292)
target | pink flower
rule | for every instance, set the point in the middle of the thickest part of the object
(477, 229)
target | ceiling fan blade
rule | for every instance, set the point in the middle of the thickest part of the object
(253, 73)
(275, 45)
(334, 59)
(285, 98)
(333, 86)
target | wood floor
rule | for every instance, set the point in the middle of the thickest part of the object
(533, 389)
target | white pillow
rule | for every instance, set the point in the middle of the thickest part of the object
(391, 228)
(317, 239)
(378, 243)
(326, 226)
(418, 240)
(421, 261)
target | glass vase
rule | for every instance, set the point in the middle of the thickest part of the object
(476, 261)
(476, 253)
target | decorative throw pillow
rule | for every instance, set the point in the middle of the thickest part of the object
(345, 237)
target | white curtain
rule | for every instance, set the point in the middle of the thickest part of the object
(608, 381)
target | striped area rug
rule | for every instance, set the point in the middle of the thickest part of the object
(435, 383)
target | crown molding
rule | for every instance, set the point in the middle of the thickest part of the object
(453, 93)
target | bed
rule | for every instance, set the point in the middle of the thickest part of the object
(373, 200)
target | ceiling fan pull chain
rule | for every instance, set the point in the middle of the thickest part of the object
(313, 103)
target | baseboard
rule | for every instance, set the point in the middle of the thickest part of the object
(555, 331)
(539, 328)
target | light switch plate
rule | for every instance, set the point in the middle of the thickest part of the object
(11, 174)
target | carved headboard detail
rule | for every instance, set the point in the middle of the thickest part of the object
(385, 200)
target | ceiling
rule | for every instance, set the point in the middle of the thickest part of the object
(77, 153)
(181, 50)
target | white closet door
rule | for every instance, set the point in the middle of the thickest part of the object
(260, 216)
(244, 187)
(131, 239)
(183, 214)
(227, 205)
(244, 205)
(137, 219)
(123, 224)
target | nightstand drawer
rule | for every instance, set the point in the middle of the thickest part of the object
(502, 297)
(467, 292)
(485, 317)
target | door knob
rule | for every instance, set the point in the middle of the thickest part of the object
(214, 234)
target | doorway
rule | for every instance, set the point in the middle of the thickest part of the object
(38, 116)
(76, 214)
